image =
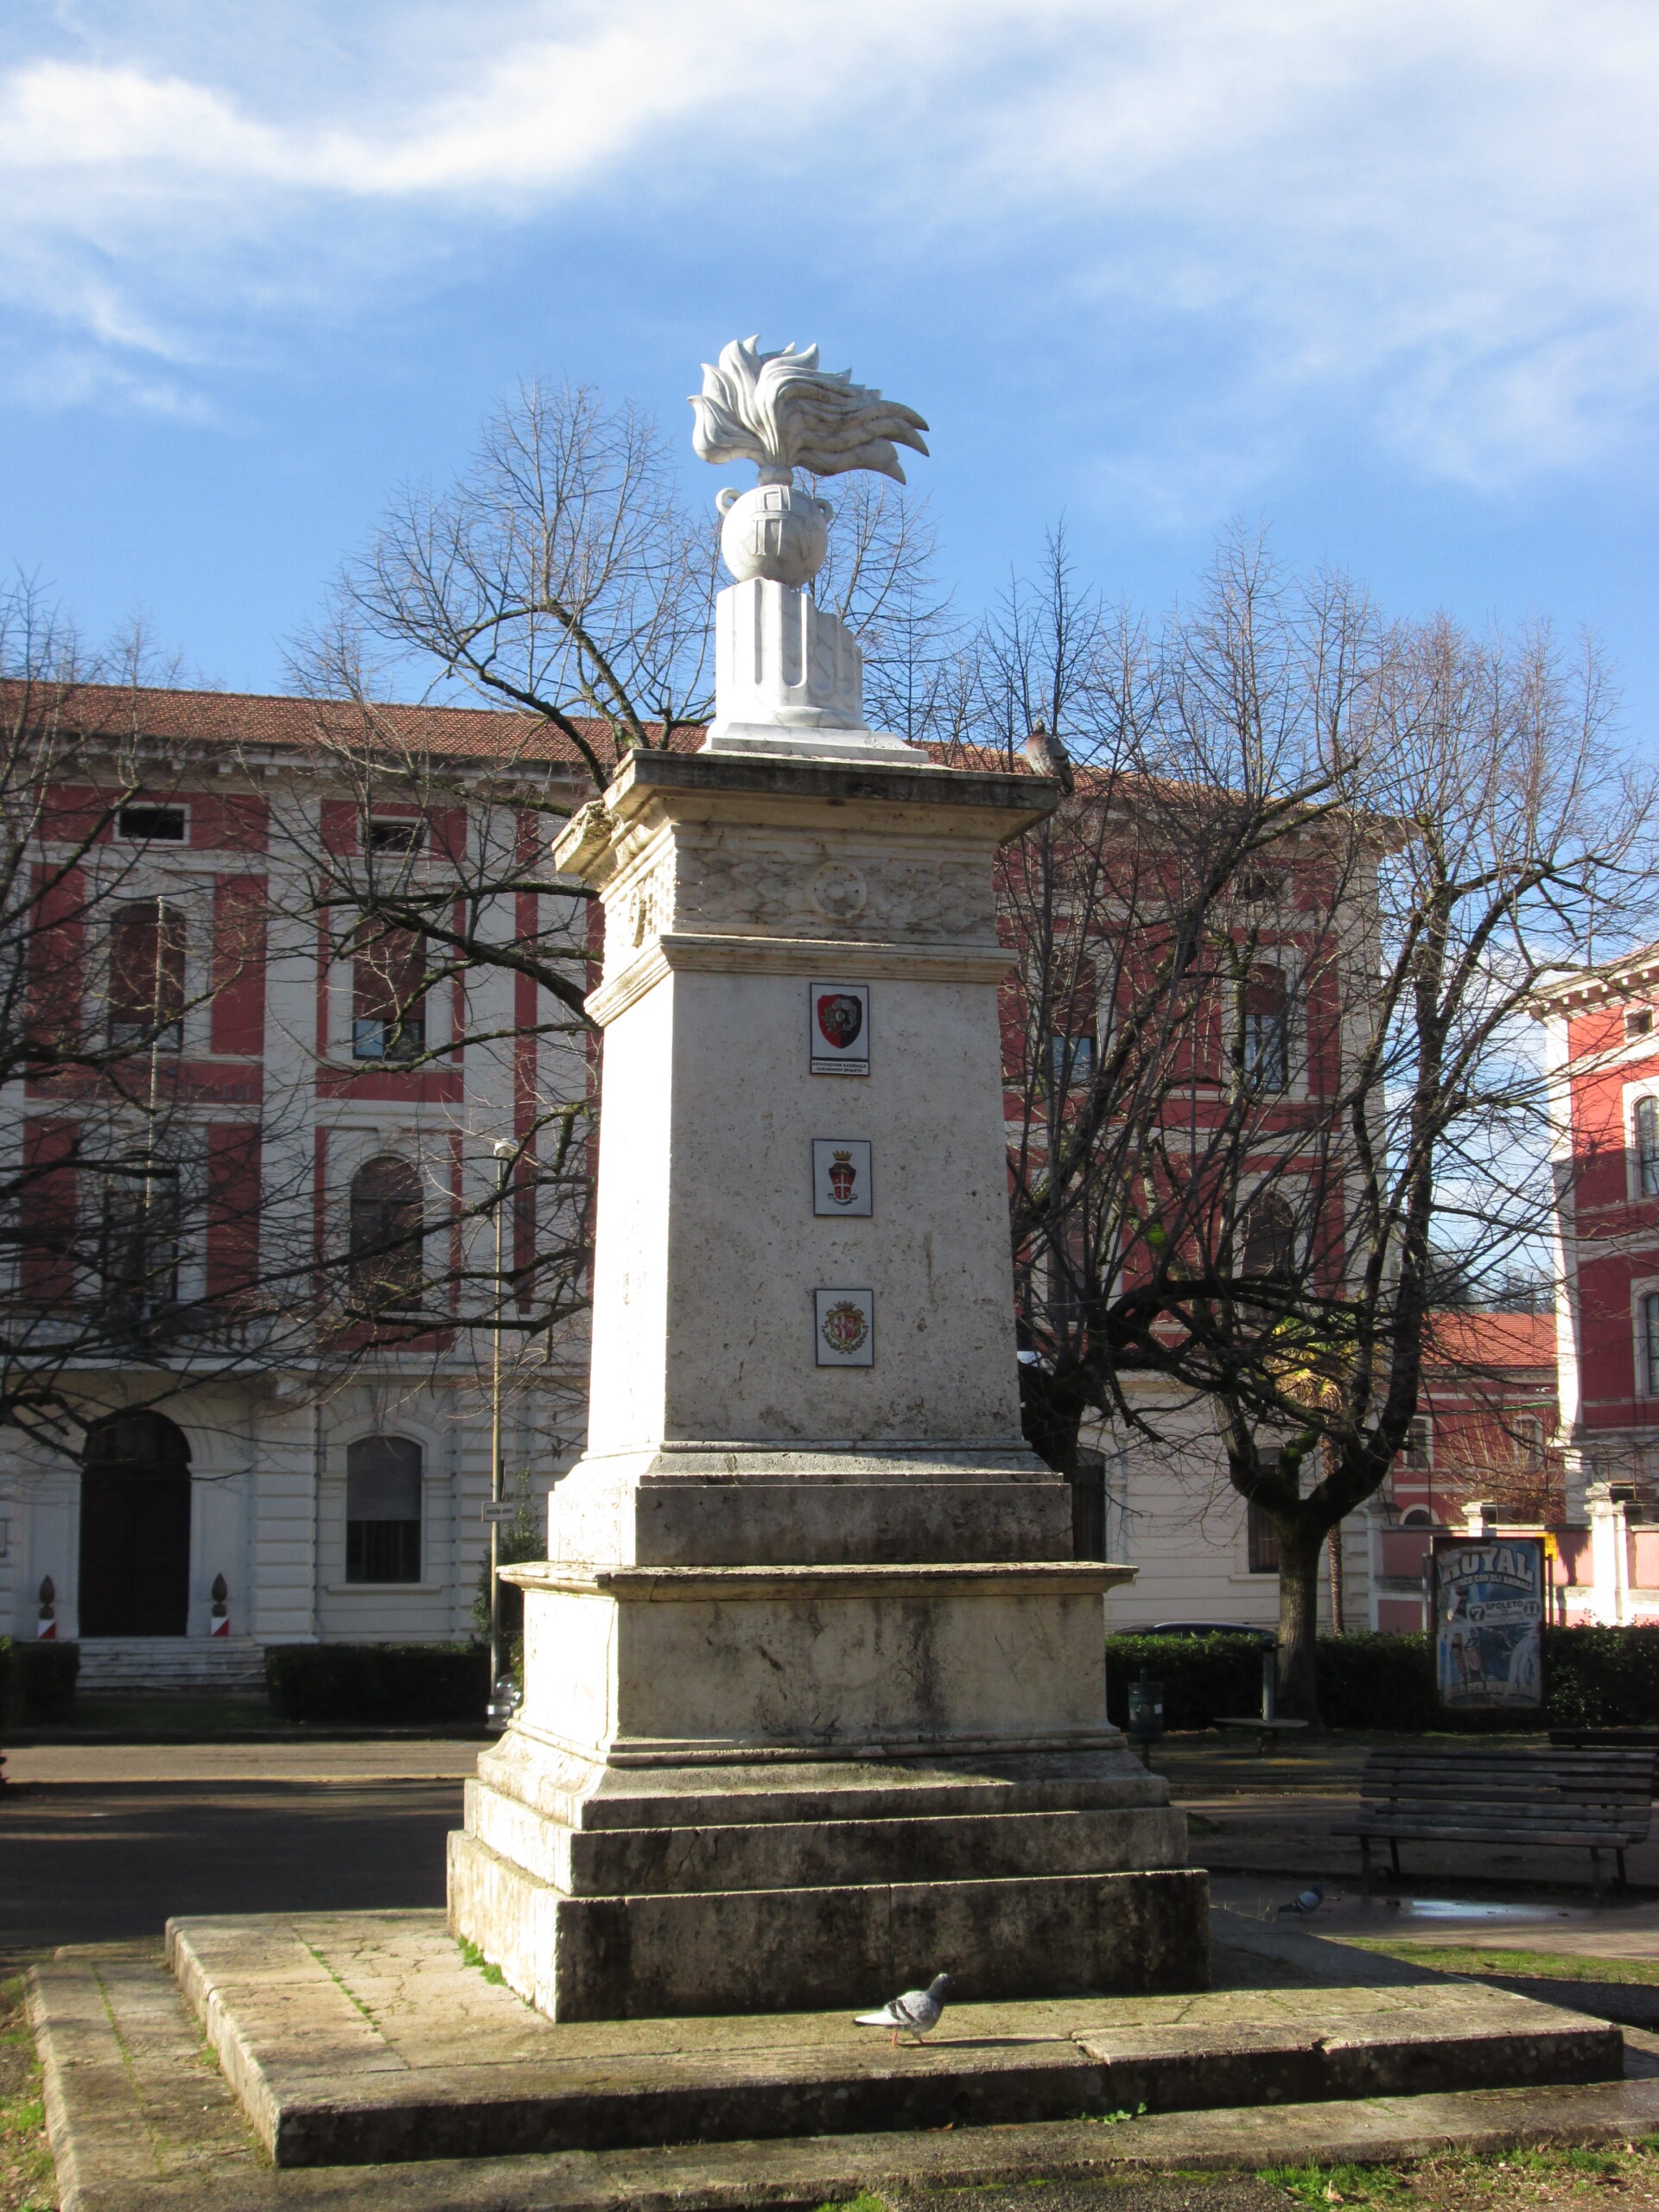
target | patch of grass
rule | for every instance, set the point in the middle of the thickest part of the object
(1549, 1965)
(474, 1957)
(863, 2203)
(1343, 2184)
(1523, 2181)
(26, 2181)
(1116, 2118)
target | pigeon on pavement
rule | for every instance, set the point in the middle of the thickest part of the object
(916, 2012)
(1306, 1901)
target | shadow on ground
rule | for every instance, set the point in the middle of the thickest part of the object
(92, 1863)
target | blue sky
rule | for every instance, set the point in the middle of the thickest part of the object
(1377, 273)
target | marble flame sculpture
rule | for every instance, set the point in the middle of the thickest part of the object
(788, 677)
(783, 411)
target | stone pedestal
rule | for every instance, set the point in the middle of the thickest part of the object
(790, 679)
(815, 1701)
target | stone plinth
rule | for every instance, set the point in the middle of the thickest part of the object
(353, 2038)
(814, 1698)
(789, 678)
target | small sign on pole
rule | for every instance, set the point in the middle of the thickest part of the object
(1489, 1614)
(501, 1509)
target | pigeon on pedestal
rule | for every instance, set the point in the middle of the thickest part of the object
(1048, 757)
(916, 2012)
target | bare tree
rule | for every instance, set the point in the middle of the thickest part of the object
(1295, 912)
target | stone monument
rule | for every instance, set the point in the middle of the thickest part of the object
(814, 1700)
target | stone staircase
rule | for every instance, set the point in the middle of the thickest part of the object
(120, 1666)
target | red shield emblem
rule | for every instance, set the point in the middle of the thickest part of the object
(844, 1327)
(840, 1017)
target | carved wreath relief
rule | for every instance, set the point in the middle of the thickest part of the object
(782, 893)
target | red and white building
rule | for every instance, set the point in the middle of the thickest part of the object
(347, 1503)
(328, 1499)
(1602, 1027)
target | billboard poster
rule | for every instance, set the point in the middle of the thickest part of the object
(1489, 1614)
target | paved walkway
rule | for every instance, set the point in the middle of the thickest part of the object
(110, 1862)
(291, 1760)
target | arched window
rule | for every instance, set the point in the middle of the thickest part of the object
(147, 949)
(1269, 1241)
(383, 1509)
(1264, 1031)
(387, 1224)
(1646, 1120)
(1419, 1518)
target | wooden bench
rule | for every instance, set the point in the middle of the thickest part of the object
(1586, 1800)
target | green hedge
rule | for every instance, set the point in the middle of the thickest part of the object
(1603, 1677)
(1593, 1677)
(401, 1685)
(37, 1680)
(1201, 1676)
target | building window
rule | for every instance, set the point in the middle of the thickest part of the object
(1645, 1126)
(1070, 1061)
(1419, 1518)
(147, 951)
(151, 825)
(387, 1227)
(1418, 1450)
(1639, 1024)
(1650, 1347)
(1262, 1541)
(402, 835)
(388, 993)
(1527, 1431)
(1261, 887)
(138, 1238)
(1264, 1031)
(1268, 1246)
(383, 1510)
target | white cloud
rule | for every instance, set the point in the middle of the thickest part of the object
(1439, 213)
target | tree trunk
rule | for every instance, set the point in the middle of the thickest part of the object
(1297, 1685)
(1334, 1553)
(1050, 1414)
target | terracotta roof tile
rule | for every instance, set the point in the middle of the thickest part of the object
(268, 720)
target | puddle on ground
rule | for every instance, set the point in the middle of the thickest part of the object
(1466, 1908)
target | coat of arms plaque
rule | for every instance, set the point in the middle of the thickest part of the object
(838, 1029)
(845, 1330)
(841, 1176)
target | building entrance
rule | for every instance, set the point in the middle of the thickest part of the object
(135, 1528)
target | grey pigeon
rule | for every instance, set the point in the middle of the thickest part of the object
(917, 2012)
(1048, 756)
(1306, 1901)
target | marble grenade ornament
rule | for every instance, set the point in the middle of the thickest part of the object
(774, 531)
(783, 412)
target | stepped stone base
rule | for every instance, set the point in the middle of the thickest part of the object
(136, 1666)
(629, 1892)
(355, 2038)
(777, 1950)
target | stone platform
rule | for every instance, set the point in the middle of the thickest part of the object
(359, 2038)
(609, 1892)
